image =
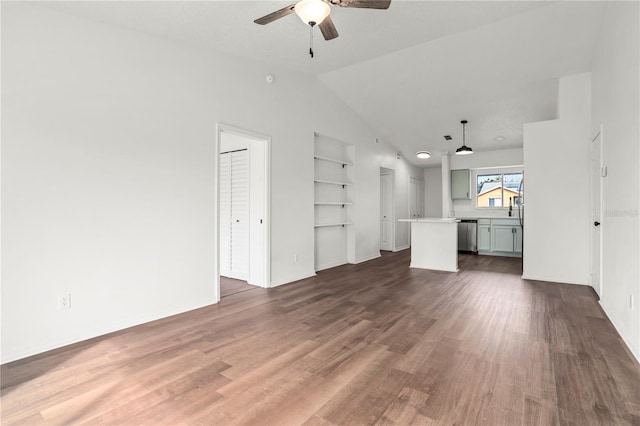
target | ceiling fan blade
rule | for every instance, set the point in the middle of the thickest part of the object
(365, 4)
(275, 15)
(328, 29)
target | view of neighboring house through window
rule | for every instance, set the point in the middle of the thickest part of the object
(498, 189)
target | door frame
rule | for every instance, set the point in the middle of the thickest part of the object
(392, 202)
(227, 128)
(598, 287)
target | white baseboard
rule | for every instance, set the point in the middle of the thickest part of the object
(329, 266)
(292, 279)
(375, 256)
(395, 249)
(621, 331)
(550, 280)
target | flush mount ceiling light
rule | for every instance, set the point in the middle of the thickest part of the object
(423, 154)
(499, 138)
(464, 149)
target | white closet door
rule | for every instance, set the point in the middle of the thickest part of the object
(225, 214)
(239, 215)
(234, 215)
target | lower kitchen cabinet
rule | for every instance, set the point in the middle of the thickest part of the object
(503, 239)
(499, 237)
(484, 236)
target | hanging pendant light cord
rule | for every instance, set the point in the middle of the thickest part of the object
(463, 134)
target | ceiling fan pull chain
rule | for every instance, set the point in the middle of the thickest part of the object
(311, 38)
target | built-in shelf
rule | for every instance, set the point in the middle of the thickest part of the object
(334, 177)
(331, 203)
(330, 182)
(333, 160)
(324, 225)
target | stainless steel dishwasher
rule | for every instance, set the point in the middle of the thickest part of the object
(468, 236)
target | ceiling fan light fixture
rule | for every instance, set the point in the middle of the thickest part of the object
(312, 11)
(464, 149)
(423, 154)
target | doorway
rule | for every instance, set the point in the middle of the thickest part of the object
(416, 197)
(243, 200)
(597, 173)
(387, 238)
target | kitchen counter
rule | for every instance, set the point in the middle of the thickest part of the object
(434, 243)
(431, 219)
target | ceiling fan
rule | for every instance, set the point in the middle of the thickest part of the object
(316, 12)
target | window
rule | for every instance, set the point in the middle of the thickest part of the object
(498, 189)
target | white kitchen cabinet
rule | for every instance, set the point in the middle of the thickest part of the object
(484, 236)
(503, 238)
(518, 240)
(499, 237)
(460, 180)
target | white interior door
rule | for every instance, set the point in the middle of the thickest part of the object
(385, 212)
(416, 205)
(596, 213)
(239, 215)
(234, 215)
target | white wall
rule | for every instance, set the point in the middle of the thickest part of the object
(556, 155)
(108, 173)
(615, 106)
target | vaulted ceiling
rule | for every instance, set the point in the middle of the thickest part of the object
(412, 71)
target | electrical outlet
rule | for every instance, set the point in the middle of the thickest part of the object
(631, 301)
(64, 301)
(296, 257)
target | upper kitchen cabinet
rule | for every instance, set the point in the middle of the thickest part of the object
(460, 185)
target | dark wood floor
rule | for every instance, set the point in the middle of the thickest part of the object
(375, 343)
(229, 286)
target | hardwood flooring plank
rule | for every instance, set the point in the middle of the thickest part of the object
(373, 343)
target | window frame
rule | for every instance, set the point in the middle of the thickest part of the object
(502, 171)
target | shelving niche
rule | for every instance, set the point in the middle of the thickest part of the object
(333, 202)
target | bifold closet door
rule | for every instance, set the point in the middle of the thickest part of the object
(234, 214)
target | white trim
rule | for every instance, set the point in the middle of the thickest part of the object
(553, 280)
(396, 249)
(330, 265)
(375, 256)
(621, 331)
(292, 280)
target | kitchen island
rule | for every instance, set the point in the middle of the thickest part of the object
(434, 243)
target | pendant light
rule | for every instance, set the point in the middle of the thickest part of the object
(464, 149)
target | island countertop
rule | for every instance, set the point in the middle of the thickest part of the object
(431, 220)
